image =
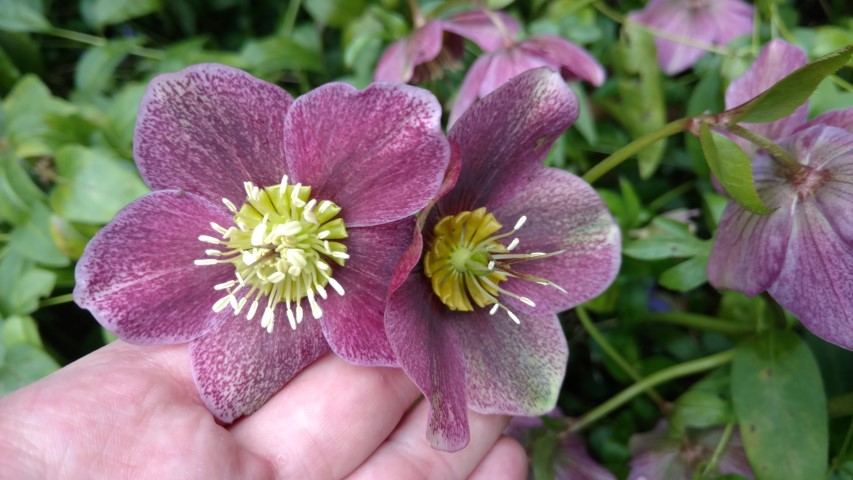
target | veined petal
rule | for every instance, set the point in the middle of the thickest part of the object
(733, 17)
(514, 369)
(505, 135)
(240, 366)
(563, 213)
(836, 118)
(353, 323)
(137, 276)
(209, 128)
(478, 27)
(379, 153)
(572, 61)
(431, 355)
(677, 19)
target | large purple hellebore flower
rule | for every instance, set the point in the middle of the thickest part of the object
(492, 70)
(711, 22)
(440, 43)
(802, 253)
(474, 324)
(264, 210)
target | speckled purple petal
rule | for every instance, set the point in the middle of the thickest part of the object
(398, 62)
(353, 323)
(506, 136)
(137, 275)
(776, 60)
(563, 213)
(511, 369)
(240, 366)
(478, 27)
(379, 153)
(209, 128)
(572, 61)
(428, 351)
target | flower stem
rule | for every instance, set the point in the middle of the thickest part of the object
(611, 352)
(677, 371)
(702, 322)
(778, 153)
(290, 17)
(626, 152)
(57, 300)
(836, 462)
(718, 451)
(100, 42)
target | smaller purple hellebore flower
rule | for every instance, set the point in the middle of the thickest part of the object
(438, 44)
(473, 321)
(264, 210)
(658, 456)
(492, 70)
(712, 22)
(802, 253)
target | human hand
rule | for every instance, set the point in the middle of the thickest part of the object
(128, 411)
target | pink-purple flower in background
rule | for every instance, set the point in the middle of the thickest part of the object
(439, 44)
(264, 210)
(709, 22)
(511, 243)
(802, 253)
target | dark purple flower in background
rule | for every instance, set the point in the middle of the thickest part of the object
(264, 210)
(658, 456)
(802, 253)
(474, 324)
(492, 70)
(710, 22)
(437, 45)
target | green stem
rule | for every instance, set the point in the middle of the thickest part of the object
(626, 152)
(840, 405)
(701, 322)
(778, 153)
(611, 352)
(676, 192)
(836, 462)
(662, 376)
(57, 300)
(100, 42)
(718, 451)
(290, 17)
(841, 83)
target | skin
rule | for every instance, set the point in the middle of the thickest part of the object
(127, 411)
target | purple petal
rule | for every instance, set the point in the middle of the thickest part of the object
(506, 135)
(469, 91)
(400, 59)
(378, 153)
(209, 128)
(511, 369)
(776, 60)
(353, 323)
(478, 27)
(240, 366)
(572, 462)
(836, 118)
(734, 19)
(430, 354)
(137, 275)
(563, 213)
(572, 61)
(677, 19)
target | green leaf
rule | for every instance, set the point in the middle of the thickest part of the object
(33, 239)
(22, 284)
(781, 407)
(67, 237)
(93, 186)
(787, 94)
(95, 69)
(733, 169)
(687, 275)
(22, 16)
(659, 248)
(335, 13)
(17, 191)
(272, 55)
(698, 409)
(20, 329)
(23, 365)
(542, 455)
(100, 13)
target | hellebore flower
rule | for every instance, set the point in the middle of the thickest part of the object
(473, 321)
(264, 210)
(658, 456)
(439, 44)
(712, 22)
(492, 70)
(802, 253)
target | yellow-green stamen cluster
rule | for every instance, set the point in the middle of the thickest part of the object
(466, 262)
(281, 246)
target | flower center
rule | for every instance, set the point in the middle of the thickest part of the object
(466, 262)
(281, 246)
(808, 179)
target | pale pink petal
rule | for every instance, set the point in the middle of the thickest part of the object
(734, 19)
(137, 275)
(469, 91)
(379, 153)
(677, 19)
(572, 61)
(420, 333)
(209, 128)
(240, 366)
(836, 118)
(353, 323)
(400, 59)
(478, 27)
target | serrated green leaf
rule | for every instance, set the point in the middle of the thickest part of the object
(733, 169)
(781, 407)
(23, 365)
(687, 275)
(788, 94)
(100, 13)
(22, 16)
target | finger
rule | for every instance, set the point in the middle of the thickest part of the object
(328, 419)
(408, 454)
(506, 460)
